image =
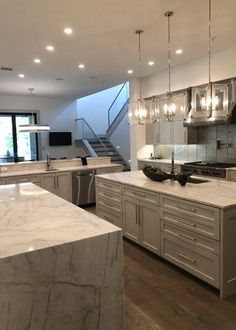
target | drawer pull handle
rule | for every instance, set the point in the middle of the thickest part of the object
(107, 185)
(139, 195)
(188, 237)
(187, 258)
(189, 209)
(184, 223)
(105, 194)
(107, 218)
(108, 204)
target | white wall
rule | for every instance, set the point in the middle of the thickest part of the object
(94, 107)
(121, 137)
(60, 114)
(192, 73)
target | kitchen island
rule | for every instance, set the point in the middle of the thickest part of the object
(60, 267)
(193, 227)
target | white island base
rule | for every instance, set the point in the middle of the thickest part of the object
(49, 279)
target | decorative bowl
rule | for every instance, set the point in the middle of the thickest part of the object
(157, 176)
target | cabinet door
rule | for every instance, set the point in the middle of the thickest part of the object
(64, 186)
(150, 227)
(48, 182)
(130, 224)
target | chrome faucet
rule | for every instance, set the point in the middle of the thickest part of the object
(172, 162)
(49, 162)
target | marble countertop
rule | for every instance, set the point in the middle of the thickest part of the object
(164, 161)
(34, 219)
(216, 193)
(60, 169)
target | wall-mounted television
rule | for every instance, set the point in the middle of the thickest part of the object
(60, 138)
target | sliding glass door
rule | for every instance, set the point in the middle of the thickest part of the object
(17, 146)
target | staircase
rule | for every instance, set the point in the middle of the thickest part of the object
(107, 149)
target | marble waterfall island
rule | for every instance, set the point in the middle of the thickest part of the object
(60, 267)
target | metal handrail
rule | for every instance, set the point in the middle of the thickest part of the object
(109, 120)
(84, 121)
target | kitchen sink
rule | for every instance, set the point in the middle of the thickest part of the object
(51, 169)
(196, 180)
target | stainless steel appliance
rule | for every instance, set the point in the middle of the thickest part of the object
(207, 168)
(83, 187)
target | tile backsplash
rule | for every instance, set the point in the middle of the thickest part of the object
(207, 148)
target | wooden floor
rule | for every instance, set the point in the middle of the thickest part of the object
(159, 295)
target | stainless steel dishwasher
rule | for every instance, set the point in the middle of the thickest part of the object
(83, 187)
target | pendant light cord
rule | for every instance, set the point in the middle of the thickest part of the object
(32, 114)
(209, 42)
(139, 32)
(168, 14)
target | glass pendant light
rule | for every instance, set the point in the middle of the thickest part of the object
(169, 108)
(140, 110)
(209, 102)
(33, 128)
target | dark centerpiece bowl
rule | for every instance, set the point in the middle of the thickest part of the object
(155, 173)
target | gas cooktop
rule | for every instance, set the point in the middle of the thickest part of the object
(207, 168)
(211, 164)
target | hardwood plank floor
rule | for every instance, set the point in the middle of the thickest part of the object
(161, 296)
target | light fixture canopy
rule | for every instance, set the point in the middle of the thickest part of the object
(33, 128)
(140, 110)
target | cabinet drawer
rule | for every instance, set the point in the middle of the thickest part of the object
(109, 185)
(189, 222)
(103, 193)
(194, 260)
(2, 181)
(142, 194)
(108, 204)
(191, 237)
(112, 217)
(208, 213)
(21, 179)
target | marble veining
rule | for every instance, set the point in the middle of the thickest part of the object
(60, 267)
(217, 193)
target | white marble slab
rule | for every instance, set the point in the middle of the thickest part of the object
(59, 168)
(217, 193)
(60, 267)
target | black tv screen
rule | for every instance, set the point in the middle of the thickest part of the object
(60, 138)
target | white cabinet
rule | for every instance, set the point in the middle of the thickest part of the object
(141, 221)
(109, 202)
(58, 184)
(112, 169)
(190, 237)
(24, 178)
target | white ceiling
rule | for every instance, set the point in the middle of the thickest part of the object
(103, 39)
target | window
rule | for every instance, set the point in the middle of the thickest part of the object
(17, 146)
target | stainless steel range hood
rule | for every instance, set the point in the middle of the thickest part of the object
(224, 112)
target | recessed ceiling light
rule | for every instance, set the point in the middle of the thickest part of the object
(50, 48)
(37, 60)
(81, 66)
(130, 71)
(151, 63)
(21, 75)
(68, 30)
(179, 51)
